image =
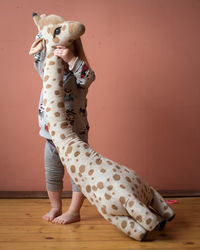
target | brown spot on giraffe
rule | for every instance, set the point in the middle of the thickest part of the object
(148, 221)
(116, 177)
(48, 109)
(109, 162)
(64, 125)
(69, 150)
(46, 78)
(59, 70)
(79, 187)
(138, 180)
(103, 209)
(100, 185)
(73, 169)
(122, 199)
(56, 40)
(50, 55)
(85, 146)
(114, 207)
(82, 168)
(128, 179)
(61, 104)
(123, 224)
(139, 218)
(77, 153)
(51, 63)
(131, 203)
(107, 196)
(91, 171)
(98, 161)
(88, 188)
(110, 187)
(94, 188)
(53, 133)
(62, 136)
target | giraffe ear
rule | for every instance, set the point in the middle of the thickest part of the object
(37, 46)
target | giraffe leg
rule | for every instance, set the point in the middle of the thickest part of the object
(143, 215)
(161, 206)
(128, 226)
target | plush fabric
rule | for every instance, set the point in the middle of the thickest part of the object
(120, 195)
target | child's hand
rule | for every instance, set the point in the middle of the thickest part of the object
(66, 54)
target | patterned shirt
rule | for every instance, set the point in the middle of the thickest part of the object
(75, 83)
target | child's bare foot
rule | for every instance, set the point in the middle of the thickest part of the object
(52, 214)
(67, 218)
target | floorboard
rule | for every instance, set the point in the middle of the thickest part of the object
(21, 228)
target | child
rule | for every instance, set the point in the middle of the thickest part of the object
(77, 79)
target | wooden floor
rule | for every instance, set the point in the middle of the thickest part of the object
(22, 228)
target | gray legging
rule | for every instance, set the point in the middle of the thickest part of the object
(54, 169)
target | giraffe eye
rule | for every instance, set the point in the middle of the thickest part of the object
(56, 32)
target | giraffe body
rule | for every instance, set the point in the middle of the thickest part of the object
(120, 195)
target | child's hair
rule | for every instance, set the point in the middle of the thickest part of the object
(78, 50)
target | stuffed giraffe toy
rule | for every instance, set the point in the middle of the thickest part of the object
(121, 196)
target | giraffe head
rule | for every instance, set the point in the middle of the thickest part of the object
(55, 31)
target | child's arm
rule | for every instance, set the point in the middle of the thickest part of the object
(83, 73)
(39, 59)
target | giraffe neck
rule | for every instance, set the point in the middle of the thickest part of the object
(56, 117)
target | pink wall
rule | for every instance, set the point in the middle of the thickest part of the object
(144, 107)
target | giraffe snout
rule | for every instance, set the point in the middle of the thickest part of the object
(34, 14)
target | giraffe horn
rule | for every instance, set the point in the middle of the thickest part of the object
(36, 18)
